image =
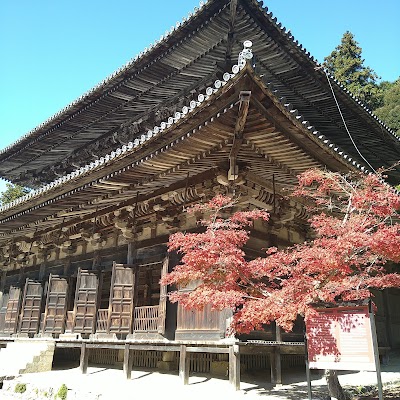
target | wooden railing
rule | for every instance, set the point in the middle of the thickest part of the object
(145, 319)
(102, 320)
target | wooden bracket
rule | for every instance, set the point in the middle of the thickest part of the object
(244, 104)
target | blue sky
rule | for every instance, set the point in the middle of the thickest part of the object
(53, 51)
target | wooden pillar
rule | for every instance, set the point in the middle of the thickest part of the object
(234, 366)
(388, 317)
(67, 266)
(96, 260)
(184, 365)
(127, 361)
(130, 258)
(84, 358)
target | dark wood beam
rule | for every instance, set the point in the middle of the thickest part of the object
(244, 104)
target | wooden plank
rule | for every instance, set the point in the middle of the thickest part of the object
(105, 346)
(156, 348)
(184, 365)
(234, 367)
(214, 350)
(84, 361)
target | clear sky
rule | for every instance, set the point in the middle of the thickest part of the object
(53, 51)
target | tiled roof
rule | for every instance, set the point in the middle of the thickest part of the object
(169, 123)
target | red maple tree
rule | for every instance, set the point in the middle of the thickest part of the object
(356, 232)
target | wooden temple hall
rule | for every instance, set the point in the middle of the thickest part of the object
(226, 102)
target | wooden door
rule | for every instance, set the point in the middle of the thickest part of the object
(3, 310)
(121, 298)
(56, 305)
(85, 307)
(31, 307)
(12, 311)
(162, 309)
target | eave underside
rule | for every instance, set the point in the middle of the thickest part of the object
(272, 150)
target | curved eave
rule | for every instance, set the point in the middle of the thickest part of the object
(107, 174)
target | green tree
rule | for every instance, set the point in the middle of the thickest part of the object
(12, 192)
(389, 112)
(346, 64)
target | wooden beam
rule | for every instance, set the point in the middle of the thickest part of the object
(184, 365)
(234, 367)
(84, 361)
(244, 104)
(214, 350)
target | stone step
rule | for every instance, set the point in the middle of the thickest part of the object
(26, 356)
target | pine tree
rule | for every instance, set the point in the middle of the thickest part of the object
(12, 192)
(346, 64)
(390, 110)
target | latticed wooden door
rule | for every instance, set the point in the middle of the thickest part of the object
(3, 310)
(56, 304)
(85, 302)
(31, 307)
(12, 312)
(162, 310)
(121, 298)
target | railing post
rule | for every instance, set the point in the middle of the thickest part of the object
(127, 361)
(84, 358)
(184, 365)
(234, 366)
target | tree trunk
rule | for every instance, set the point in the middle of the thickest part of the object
(334, 388)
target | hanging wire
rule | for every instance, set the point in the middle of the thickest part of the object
(344, 122)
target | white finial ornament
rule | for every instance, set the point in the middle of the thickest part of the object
(245, 54)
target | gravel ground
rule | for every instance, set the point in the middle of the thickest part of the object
(109, 384)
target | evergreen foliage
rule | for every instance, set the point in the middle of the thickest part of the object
(390, 109)
(346, 64)
(12, 192)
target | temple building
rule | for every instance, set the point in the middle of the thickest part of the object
(226, 102)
